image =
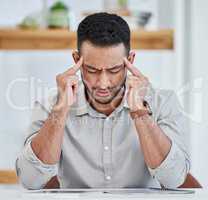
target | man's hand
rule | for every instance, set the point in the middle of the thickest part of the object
(47, 143)
(153, 141)
(67, 84)
(137, 85)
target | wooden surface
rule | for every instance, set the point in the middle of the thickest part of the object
(17, 39)
(190, 182)
(8, 177)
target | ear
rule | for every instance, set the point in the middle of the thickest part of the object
(131, 57)
(75, 55)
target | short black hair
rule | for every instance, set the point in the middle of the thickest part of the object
(104, 29)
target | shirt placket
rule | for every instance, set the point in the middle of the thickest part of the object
(107, 150)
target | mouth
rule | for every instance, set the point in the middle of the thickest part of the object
(102, 93)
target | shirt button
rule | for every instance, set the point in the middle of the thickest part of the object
(108, 178)
(106, 148)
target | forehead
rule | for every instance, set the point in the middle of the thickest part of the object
(102, 57)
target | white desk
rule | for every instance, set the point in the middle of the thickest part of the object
(17, 193)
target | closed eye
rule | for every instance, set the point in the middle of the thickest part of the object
(91, 70)
(116, 70)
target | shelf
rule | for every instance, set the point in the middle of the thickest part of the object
(8, 177)
(46, 39)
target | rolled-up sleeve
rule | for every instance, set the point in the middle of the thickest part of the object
(32, 172)
(171, 119)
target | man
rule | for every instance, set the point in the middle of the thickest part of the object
(109, 129)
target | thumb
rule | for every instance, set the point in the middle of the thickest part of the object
(70, 97)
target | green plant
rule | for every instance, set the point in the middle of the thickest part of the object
(59, 5)
(122, 3)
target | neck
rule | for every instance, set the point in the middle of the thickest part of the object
(107, 109)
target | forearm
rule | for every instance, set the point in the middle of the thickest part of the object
(47, 143)
(154, 143)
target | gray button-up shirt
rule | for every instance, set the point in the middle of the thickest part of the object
(101, 151)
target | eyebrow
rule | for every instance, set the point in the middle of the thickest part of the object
(91, 67)
(114, 67)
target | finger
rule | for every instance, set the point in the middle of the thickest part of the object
(132, 77)
(72, 80)
(132, 69)
(75, 68)
(70, 95)
(133, 80)
(76, 88)
(72, 86)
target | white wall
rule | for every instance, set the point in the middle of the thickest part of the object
(198, 72)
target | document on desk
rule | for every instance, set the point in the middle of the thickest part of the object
(117, 191)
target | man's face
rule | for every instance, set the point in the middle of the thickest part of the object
(103, 71)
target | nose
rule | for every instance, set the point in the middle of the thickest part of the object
(104, 81)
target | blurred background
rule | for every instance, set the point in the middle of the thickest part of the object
(170, 38)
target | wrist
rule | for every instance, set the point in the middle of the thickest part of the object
(139, 106)
(60, 110)
(142, 110)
